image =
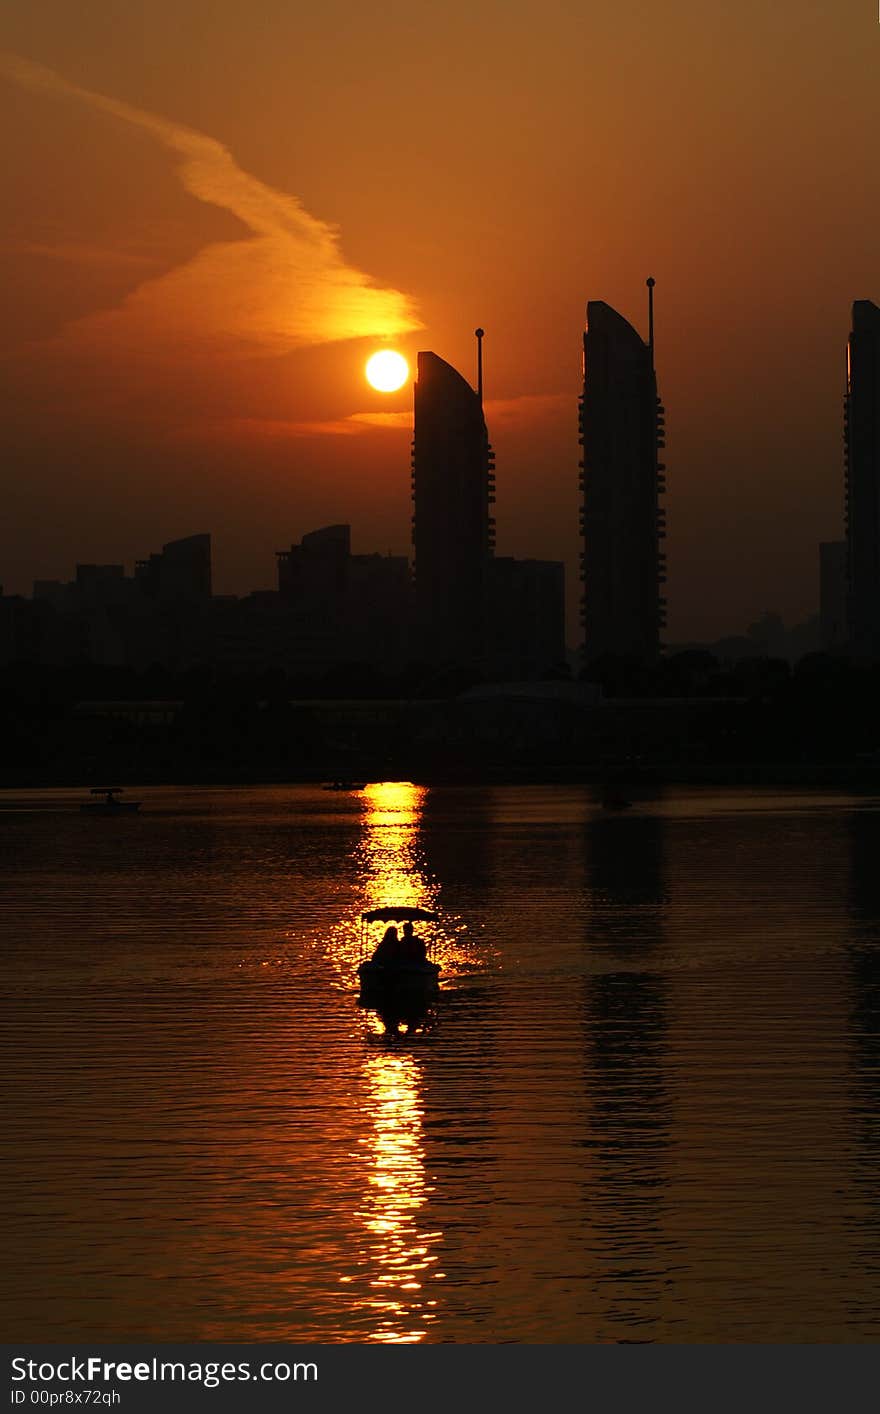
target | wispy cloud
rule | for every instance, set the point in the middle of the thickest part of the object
(82, 253)
(275, 429)
(285, 286)
(383, 420)
(529, 408)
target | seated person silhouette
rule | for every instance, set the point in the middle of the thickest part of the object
(412, 947)
(389, 949)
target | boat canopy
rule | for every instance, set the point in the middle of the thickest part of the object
(398, 915)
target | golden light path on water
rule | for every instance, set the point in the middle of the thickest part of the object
(398, 1244)
(388, 853)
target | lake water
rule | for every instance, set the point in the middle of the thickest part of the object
(645, 1107)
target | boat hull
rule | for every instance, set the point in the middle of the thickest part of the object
(125, 807)
(381, 985)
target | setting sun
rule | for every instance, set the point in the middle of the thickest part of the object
(387, 371)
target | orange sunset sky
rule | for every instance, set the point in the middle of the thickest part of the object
(215, 212)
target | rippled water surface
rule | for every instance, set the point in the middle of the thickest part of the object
(644, 1107)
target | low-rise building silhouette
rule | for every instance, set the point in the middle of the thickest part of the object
(180, 573)
(351, 608)
(526, 618)
(332, 609)
(832, 595)
(160, 615)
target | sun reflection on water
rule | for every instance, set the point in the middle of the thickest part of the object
(390, 869)
(397, 1248)
(395, 1256)
(387, 862)
(389, 857)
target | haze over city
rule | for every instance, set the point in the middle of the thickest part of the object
(213, 223)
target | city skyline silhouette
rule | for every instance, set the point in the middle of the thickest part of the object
(439, 599)
(161, 376)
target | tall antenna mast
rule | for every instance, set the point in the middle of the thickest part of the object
(479, 333)
(650, 283)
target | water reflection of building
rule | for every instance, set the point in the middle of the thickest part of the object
(455, 841)
(864, 980)
(457, 847)
(626, 866)
(625, 1020)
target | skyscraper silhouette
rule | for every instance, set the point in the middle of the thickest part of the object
(453, 532)
(862, 444)
(621, 425)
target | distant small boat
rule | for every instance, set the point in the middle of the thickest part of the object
(344, 785)
(615, 802)
(109, 802)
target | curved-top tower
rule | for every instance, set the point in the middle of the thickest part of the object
(862, 451)
(622, 428)
(453, 532)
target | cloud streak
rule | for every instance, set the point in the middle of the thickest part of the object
(528, 408)
(285, 286)
(81, 253)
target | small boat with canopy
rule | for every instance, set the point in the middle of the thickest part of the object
(105, 801)
(400, 979)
